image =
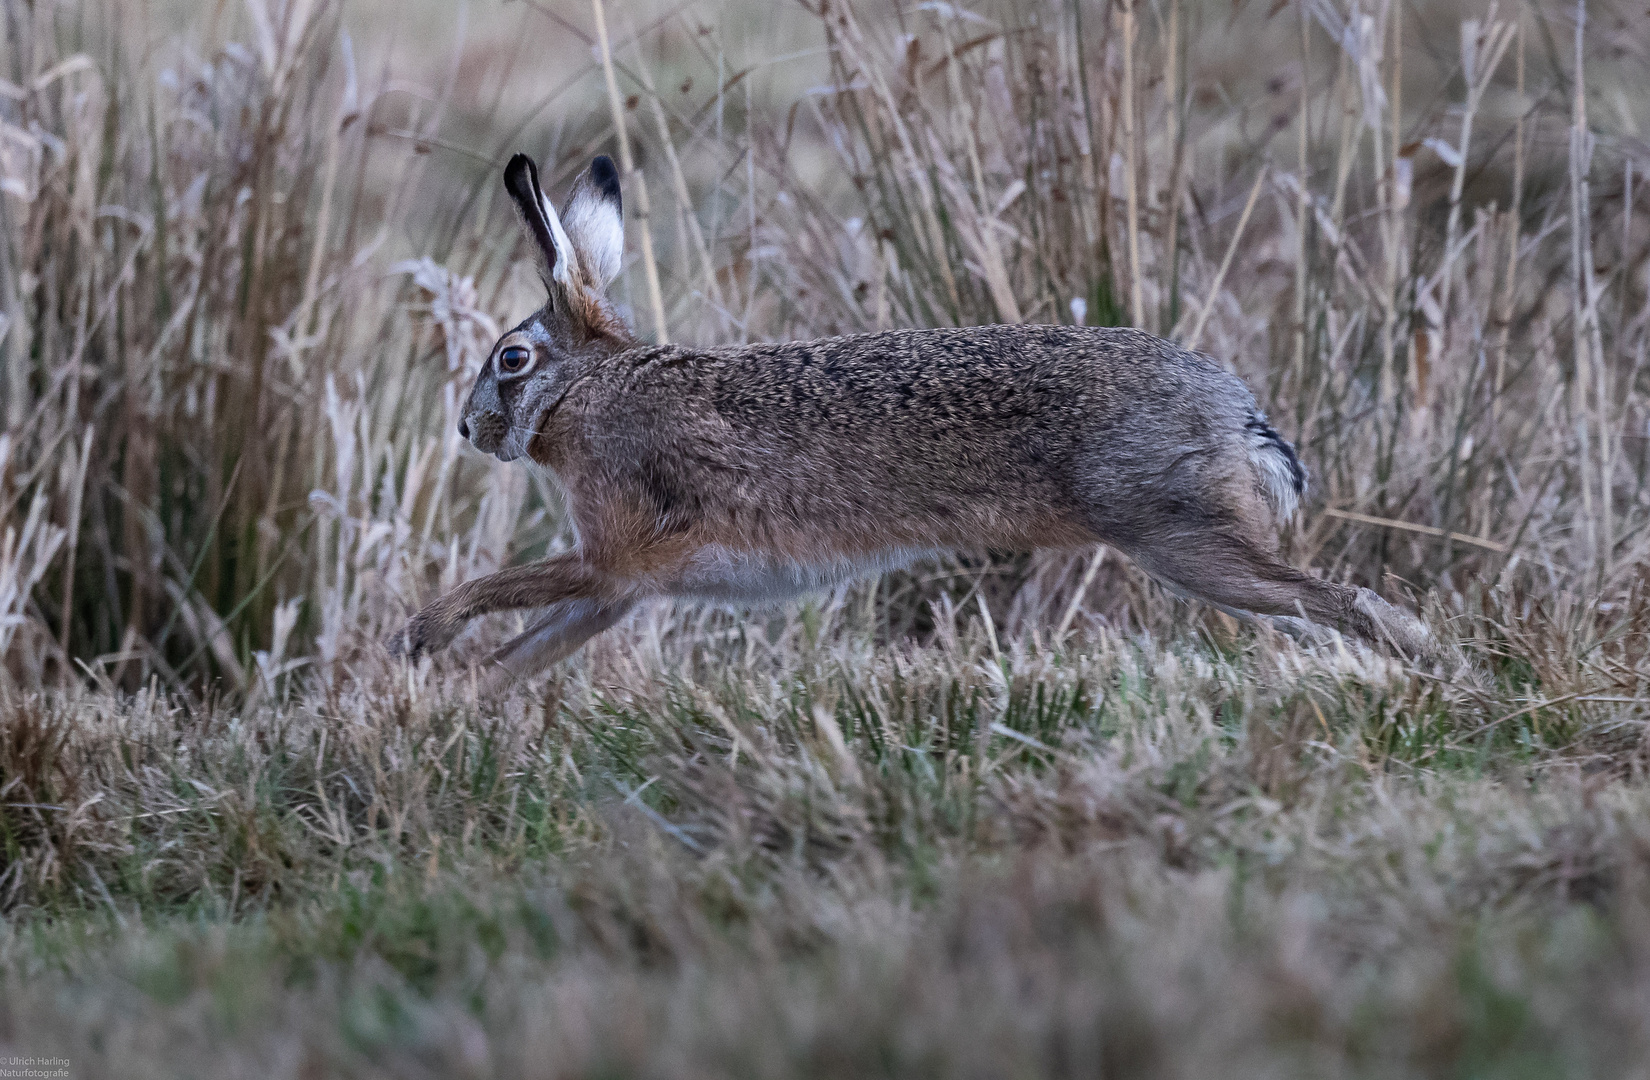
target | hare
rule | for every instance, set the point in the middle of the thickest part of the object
(756, 473)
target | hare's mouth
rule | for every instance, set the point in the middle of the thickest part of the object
(489, 432)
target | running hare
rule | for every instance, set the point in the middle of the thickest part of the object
(756, 473)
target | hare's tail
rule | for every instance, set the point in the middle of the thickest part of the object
(1282, 476)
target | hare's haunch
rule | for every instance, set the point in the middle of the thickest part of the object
(756, 473)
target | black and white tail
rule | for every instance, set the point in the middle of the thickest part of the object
(1282, 475)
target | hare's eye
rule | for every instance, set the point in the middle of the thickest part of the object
(514, 358)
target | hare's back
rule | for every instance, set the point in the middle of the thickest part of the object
(983, 431)
(962, 388)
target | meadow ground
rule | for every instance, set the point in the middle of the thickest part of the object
(1005, 815)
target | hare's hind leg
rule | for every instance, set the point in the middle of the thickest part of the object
(1229, 572)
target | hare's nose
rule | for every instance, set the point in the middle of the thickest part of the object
(463, 429)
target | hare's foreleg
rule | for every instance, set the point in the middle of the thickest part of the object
(557, 636)
(535, 585)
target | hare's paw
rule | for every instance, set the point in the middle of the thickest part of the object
(429, 631)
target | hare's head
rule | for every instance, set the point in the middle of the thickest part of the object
(578, 253)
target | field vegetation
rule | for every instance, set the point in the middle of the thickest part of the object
(1004, 815)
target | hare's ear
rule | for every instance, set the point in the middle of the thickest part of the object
(595, 222)
(554, 251)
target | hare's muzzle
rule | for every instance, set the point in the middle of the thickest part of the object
(485, 422)
(488, 431)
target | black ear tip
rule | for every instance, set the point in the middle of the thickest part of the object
(520, 167)
(605, 175)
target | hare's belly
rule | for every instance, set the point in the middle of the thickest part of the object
(744, 577)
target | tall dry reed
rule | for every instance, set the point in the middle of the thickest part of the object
(245, 283)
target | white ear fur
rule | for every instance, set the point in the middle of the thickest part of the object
(595, 221)
(565, 270)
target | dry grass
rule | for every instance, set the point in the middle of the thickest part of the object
(1006, 816)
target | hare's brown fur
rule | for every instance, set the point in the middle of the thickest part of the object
(755, 473)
